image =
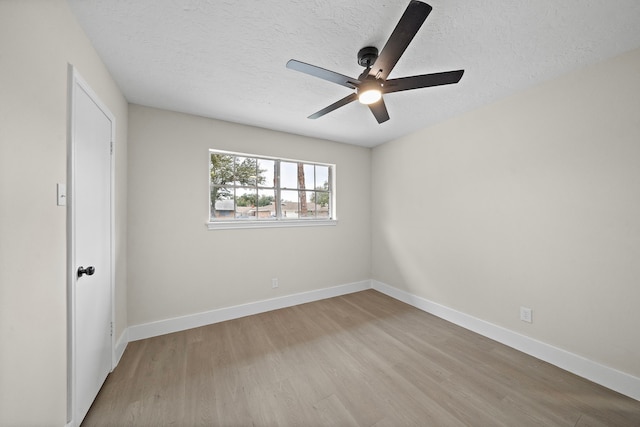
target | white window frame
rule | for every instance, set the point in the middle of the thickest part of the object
(278, 221)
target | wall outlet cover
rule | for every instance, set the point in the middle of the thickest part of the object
(526, 314)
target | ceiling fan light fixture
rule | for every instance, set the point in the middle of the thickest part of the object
(369, 96)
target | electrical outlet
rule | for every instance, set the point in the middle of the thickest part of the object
(526, 314)
(274, 282)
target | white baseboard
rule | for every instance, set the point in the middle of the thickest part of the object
(120, 347)
(161, 327)
(608, 377)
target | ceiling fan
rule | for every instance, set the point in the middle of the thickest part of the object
(372, 83)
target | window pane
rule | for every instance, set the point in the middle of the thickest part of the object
(246, 171)
(288, 175)
(266, 173)
(320, 203)
(246, 200)
(307, 207)
(323, 204)
(317, 205)
(307, 180)
(297, 204)
(322, 177)
(221, 169)
(236, 164)
(290, 208)
(222, 204)
(266, 204)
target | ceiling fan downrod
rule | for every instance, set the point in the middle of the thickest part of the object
(367, 56)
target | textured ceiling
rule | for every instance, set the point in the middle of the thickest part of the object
(226, 59)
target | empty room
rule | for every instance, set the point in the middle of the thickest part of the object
(347, 213)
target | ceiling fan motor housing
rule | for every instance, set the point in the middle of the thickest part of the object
(367, 56)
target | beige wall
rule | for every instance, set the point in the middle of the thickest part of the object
(37, 40)
(532, 201)
(179, 267)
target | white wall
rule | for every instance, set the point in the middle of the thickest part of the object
(179, 267)
(37, 40)
(532, 201)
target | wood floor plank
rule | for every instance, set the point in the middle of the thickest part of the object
(362, 359)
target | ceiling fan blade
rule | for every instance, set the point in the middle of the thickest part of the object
(344, 101)
(407, 27)
(328, 75)
(379, 110)
(424, 80)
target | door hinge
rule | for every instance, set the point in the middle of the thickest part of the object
(111, 147)
(111, 328)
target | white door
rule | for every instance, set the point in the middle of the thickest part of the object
(91, 210)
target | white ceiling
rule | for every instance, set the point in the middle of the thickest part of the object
(226, 59)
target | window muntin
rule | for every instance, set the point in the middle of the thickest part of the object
(244, 187)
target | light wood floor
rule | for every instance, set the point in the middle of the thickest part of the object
(358, 360)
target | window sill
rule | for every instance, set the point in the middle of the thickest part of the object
(270, 224)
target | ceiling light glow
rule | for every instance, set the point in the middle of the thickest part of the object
(369, 96)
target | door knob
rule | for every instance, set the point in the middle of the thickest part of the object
(88, 271)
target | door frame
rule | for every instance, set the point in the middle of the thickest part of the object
(76, 82)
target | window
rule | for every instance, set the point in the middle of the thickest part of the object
(256, 190)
